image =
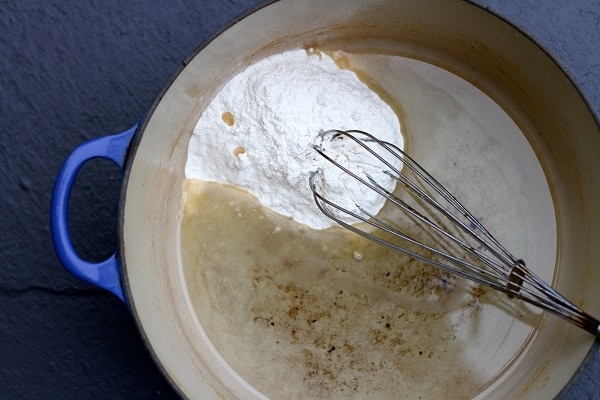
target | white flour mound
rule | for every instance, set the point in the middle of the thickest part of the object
(258, 131)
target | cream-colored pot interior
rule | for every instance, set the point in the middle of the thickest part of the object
(455, 35)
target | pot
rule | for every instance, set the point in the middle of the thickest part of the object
(558, 129)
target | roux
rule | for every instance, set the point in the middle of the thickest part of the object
(325, 314)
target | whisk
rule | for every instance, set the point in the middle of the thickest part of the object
(461, 245)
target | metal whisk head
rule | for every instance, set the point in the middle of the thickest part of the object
(447, 235)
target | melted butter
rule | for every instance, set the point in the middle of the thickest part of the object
(228, 118)
(296, 302)
(238, 151)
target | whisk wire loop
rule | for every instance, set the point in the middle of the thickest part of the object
(483, 260)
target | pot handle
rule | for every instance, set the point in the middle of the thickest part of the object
(104, 274)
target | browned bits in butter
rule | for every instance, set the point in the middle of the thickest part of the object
(324, 320)
(227, 117)
(238, 150)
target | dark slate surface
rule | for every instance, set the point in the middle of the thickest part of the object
(71, 70)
